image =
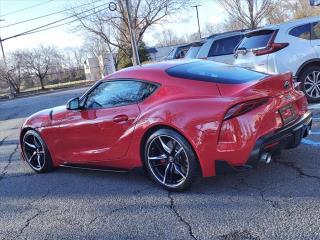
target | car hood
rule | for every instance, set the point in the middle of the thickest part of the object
(46, 117)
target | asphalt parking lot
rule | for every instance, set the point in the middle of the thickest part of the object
(279, 201)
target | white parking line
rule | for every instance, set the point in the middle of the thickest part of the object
(314, 106)
(310, 142)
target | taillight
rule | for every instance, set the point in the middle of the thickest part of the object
(243, 108)
(271, 48)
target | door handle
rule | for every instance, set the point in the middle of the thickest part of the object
(120, 118)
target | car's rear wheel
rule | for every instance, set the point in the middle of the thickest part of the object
(170, 160)
(310, 79)
(35, 152)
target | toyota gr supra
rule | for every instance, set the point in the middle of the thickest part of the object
(180, 120)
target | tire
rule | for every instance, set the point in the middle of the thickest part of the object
(310, 80)
(170, 160)
(36, 153)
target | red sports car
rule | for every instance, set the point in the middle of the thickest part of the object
(179, 120)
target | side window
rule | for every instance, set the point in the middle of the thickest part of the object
(303, 32)
(224, 46)
(118, 93)
(316, 30)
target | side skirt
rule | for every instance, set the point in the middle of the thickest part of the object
(94, 168)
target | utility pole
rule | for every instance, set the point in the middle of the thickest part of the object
(135, 53)
(4, 57)
(196, 6)
(5, 64)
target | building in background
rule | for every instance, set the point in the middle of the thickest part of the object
(97, 67)
(92, 69)
(106, 64)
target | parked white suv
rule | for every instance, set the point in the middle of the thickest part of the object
(220, 47)
(288, 47)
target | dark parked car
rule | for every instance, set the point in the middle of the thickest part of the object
(178, 52)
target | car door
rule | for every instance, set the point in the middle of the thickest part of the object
(102, 130)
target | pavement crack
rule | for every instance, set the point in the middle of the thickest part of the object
(4, 170)
(28, 221)
(299, 170)
(239, 235)
(175, 211)
(3, 139)
(274, 204)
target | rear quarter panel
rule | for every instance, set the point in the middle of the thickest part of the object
(192, 109)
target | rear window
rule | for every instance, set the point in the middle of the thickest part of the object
(224, 46)
(210, 71)
(258, 39)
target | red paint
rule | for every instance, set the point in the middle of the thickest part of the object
(113, 137)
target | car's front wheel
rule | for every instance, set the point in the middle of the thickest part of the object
(35, 152)
(310, 79)
(170, 160)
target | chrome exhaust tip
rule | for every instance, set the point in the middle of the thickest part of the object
(266, 158)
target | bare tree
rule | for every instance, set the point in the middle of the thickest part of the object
(293, 9)
(167, 37)
(112, 27)
(250, 13)
(15, 72)
(94, 46)
(40, 60)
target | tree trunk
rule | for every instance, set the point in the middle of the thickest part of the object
(41, 83)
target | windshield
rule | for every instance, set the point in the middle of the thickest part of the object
(193, 51)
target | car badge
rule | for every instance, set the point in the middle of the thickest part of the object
(286, 85)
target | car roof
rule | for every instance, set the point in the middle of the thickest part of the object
(194, 69)
(149, 71)
(226, 34)
(287, 24)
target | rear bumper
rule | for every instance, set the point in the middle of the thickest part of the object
(288, 137)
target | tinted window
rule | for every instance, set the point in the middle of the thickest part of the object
(255, 40)
(316, 30)
(118, 93)
(302, 32)
(209, 71)
(224, 46)
(181, 52)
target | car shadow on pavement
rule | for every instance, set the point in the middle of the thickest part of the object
(279, 179)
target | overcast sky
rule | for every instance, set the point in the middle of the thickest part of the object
(12, 11)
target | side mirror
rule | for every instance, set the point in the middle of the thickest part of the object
(73, 104)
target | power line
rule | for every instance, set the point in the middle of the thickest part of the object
(47, 15)
(22, 9)
(51, 23)
(59, 25)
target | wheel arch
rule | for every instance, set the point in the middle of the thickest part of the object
(309, 63)
(153, 129)
(23, 132)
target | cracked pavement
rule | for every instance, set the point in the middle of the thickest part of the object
(278, 201)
